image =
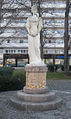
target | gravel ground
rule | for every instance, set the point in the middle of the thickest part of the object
(62, 88)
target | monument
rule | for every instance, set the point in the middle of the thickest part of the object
(34, 26)
(36, 69)
(35, 95)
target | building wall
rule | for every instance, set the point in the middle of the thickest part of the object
(14, 38)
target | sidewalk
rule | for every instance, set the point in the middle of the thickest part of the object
(62, 85)
(62, 88)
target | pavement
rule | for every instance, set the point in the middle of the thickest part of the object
(62, 89)
(62, 85)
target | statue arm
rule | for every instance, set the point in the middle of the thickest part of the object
(28, 25)
(40, 24)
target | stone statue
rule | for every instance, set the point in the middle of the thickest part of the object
(34, 26)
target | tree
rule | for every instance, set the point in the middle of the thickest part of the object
(66, 37)
(24, 7)
(1, 3)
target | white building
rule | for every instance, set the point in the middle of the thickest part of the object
(14, 42)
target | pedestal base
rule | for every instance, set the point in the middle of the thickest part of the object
(35, 95)
(36, 77)
(35, 91)
(36, 102)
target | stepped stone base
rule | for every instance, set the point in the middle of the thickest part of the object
(36, 102)
(36, 98)
(35, 95)
(35, 91)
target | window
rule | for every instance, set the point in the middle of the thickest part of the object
(6, 51)
(11, 51)
(61, 51)
(25, 41)
(21, 51)
(60, 11)
(60, 31)
(49, 41)
(24, 51)
(21, 41)
(23, 32)
(8, 41)
(18, 51)
(14, 51)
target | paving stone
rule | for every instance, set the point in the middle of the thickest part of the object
(9, 112)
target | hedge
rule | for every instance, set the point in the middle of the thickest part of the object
(11, 79)
(18, 79)
(52, 68)
(5, 73)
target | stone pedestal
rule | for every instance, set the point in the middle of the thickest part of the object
(36, 77)
(35, 95)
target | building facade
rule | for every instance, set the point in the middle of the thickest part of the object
(14, 41)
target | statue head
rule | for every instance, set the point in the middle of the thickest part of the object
(34, 9)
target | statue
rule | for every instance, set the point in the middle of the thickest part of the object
(34, 26)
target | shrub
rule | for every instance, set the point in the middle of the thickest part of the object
(18, 79)
(52, 68)
(11, 79)
(5, 77)
(5, 73)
